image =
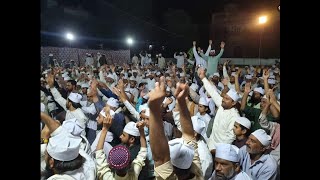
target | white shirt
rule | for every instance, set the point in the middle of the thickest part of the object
(205, 159)
(222, 129)
(106, 146)
(161, 62)
(180, 60)
(78, 113)
(206, 118)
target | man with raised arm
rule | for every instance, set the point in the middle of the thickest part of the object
(179, 159)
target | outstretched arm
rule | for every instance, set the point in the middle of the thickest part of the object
(158, 141)
(209, 48)
(181, 94)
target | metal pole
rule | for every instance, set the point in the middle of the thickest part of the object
(260, 45)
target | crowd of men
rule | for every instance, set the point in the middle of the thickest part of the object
(153, 119)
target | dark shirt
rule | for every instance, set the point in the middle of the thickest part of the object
(240, 143)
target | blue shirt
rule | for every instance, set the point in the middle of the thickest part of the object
(263, 168)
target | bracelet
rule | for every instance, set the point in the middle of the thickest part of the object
(44, 141)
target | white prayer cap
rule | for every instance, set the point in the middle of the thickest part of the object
(199, 126)
(42, 79)
(75, 97)
(272, 76)
(233, 95)
(168, 89)
(42, 107)
(45, 72)
(216, 74)
(149, 55)
(227, 152)
(103, 113)
(147, 112)
(64, 146)
(233, 73)
(73, 126)
(194, 87)
(237, 68)
(250, 93)
(131, 129)
(132, 78)
(158, 73)
(203, 101)
(50, 54)
(85, 85)
(79, 83)
(276, 70)
(98, 52)
(67, 78)
(181, 154)
(148, 74)
(244, 122)
(168, 78)
(134, 71)
(182, 74)
(271, 81)
(262, 136)
(259, 90)
(143, 107)
(110, 76)
(248, 76)
(113, 102)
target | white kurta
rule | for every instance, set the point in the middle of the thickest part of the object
(180, 60)
(78, 113)
(222, 129)
(162, 62)
(205, 159)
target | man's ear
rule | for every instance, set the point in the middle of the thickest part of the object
(131, 140)
(51, 162)
(237, 167)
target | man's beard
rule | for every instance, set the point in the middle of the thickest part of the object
(47, 172)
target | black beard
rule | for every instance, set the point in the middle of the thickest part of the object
(47, 172)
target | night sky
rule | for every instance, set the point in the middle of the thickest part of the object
(170, 23)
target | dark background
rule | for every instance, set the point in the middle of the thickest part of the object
(173, 24)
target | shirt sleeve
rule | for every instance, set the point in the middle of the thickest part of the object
(132, 110)
(58, 98)
(103, 170)
(212, 90)
(138, 162)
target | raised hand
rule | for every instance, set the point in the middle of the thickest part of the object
(266, 73)
(107, 122)
(157, 95)
(210, 42)
(50, 79)
(182, 91)
(201, 73)
(140, 125)
(222, 44)
(225, 81)
(194, 43)
(247, 87)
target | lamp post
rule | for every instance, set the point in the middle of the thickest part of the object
(130, 43)
(262, 20)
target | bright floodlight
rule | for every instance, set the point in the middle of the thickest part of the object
(130, 41)
(262, 19)
(69, 36)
